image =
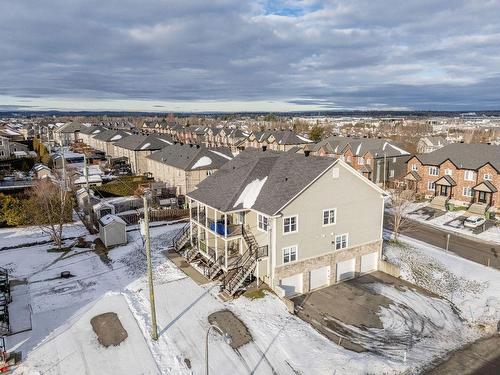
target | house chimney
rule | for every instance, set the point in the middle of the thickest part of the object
(306, 153)
(197, 146)
(264, 148)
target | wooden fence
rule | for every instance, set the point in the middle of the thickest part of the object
(156, 215)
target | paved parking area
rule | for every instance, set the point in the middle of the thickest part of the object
(458, 223)
(348, 313)
(427, 213)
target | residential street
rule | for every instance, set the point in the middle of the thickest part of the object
(477, 251)
(479, 358)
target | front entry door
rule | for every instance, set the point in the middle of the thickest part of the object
(482, 197)
(443, 191)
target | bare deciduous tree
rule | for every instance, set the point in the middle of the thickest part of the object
(50, 208)
(400, 202)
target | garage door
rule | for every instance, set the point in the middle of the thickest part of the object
(319, 277)
(292, 285)
(369, 262)
(345, 270)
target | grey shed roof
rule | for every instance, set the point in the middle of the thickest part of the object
(192, 157)
(464, 156)
(271, 178)
(138, 142)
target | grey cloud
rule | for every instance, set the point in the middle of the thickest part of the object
(351, 54)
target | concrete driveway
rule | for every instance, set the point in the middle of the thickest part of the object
(380, 313)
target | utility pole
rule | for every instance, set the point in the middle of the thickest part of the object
(154, 330)
(385, 168)
(86, 174)
(64, 169)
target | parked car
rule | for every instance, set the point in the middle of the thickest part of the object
(474, 221)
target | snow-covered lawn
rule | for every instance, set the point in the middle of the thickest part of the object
(491, 234)
(62, 340)
(473, 288)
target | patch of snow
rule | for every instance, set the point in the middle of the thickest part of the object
(116, 137)
(304, 139)
(250, 193)
(145, 146)
(359, 148)
(165, 141)
(202, 162)
(402, 152)
(221, 154)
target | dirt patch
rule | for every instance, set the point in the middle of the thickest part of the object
(109, 329)
(101, 251)
(229, 323)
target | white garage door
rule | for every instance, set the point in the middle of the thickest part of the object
(369, 262)
(346, 269)
(319, 277)
(292, 285)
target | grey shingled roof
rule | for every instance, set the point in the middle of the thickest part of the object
(464, 156)
(139, 142)
(93, 130)
(360, 146)
(186, 156)
(71, 127)
(283, 137)
(287, 174)
(106, 135)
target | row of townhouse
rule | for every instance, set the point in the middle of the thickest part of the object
(277, 140)
(379, 160)
(458, 173)
(9, 148)
(294, 221)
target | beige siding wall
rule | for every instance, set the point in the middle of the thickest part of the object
(359, 212)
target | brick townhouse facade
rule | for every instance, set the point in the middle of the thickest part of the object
(462, 174)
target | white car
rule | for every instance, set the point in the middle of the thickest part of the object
(474, 221)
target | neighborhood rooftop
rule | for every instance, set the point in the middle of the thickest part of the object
(262, 180)
(464, 156)
(192, 157)
(143, 142)
(360, 146)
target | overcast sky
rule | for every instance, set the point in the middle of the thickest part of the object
(221, 55)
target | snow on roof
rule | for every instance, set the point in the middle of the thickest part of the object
(359, 148)
(145, 146)
(221, 154)
(304, 139)
(202, 162)
(20, 153)
(403, 152)
(164, 140)
(105, 220)
(249, 195)
(116, 137)
(95, 178)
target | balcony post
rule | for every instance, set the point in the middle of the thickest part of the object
(225, 252)
(225, 225)
(190, 202)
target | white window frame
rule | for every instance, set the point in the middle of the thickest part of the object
(433, 168)
(431, 186)
(448, 172)
(361, 160)
(488, 177)
(391, 173)
(296, 224)
(290, 250)
(467, 189)
(262, 223)
(468, 173)
(339, 236)
(329, 217)
(414, 167)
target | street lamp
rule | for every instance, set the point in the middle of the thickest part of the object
(226, 336)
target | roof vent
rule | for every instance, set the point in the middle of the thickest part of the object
(190, 145)
(197, 146)
(306, 153)
(264, 148)
(461, 141)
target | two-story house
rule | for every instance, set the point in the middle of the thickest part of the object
(295, 222)
(458, 173)
(430, 143)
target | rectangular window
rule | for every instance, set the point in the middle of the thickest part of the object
(488, 177)
(391, 173)
(290, 224)
(469, 175)
(289, 254)
(369, 161)
(329, 216)
(448, 172)
(394, 160)
(263, 222)
(361, 161)
(433, 171)
(414, 167)
(467, 192)
(430, 185)
(341, 241)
